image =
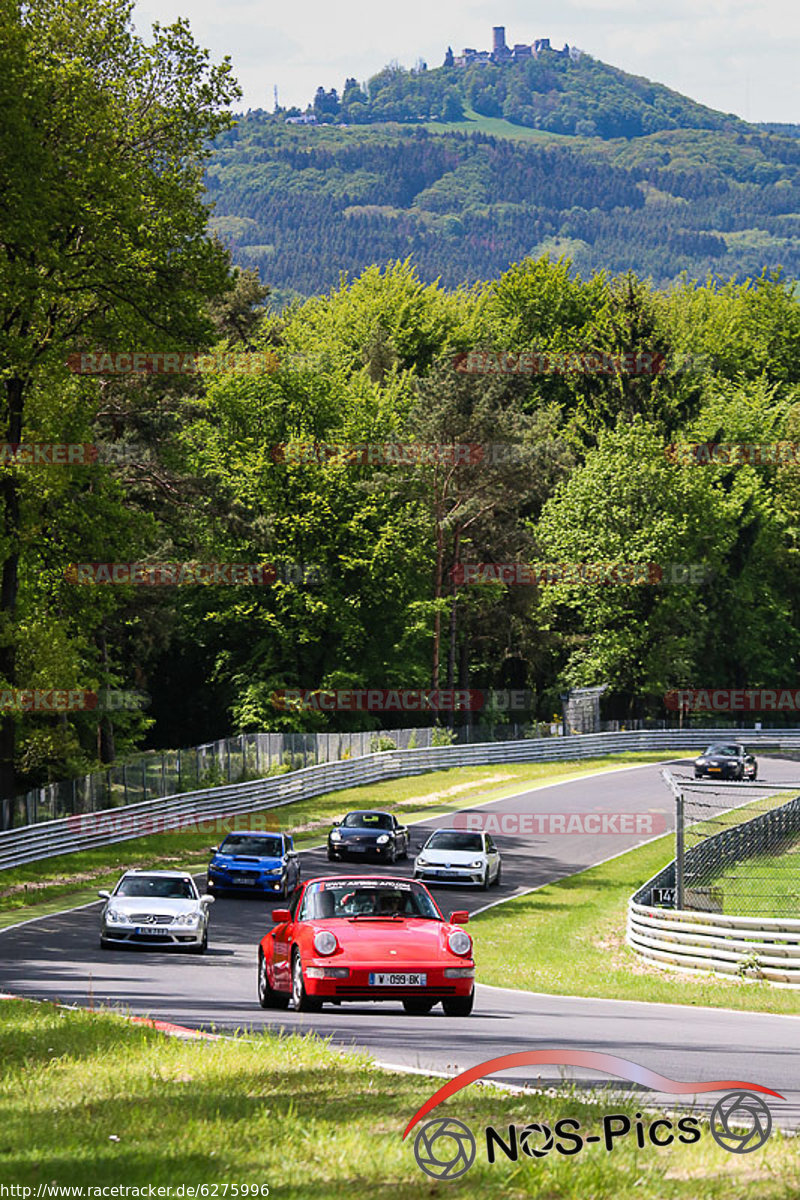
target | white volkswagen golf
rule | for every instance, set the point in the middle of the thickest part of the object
(155, 908)
(458, 856)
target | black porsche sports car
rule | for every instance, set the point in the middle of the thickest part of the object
(725, 760)
(369, 834)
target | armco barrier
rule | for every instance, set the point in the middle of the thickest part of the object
(70, 834)
(755, 947)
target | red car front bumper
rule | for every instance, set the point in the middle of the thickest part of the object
(356, 984)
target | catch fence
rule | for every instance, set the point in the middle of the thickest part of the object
(740, 847)
(233, 760)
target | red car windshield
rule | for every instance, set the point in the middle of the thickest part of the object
(364, 898)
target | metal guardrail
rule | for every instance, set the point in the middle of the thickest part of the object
(160, 773)
(190, 809)
(153, 774)
(753, 947)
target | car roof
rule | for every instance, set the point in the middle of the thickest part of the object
(363, 812)
(160, 874)
(254, 833)
(451, 829)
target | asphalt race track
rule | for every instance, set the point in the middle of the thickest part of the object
(59, 957)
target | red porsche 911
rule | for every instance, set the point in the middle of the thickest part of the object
(353, 938)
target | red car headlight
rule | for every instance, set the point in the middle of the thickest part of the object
(460, 942)
(325, 942)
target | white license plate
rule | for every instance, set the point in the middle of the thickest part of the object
(245, 882)
(151, 931)
(394, 979)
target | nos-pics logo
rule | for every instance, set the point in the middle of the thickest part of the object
(446, 1148)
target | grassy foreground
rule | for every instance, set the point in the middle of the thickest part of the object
(568, 938)
(72, 879)
(88, 1099)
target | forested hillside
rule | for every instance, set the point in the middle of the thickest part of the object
(306, 204)
(552, 91)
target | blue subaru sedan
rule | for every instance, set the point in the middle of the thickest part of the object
(264, 863)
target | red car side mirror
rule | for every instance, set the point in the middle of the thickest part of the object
(459, 918)
(281, 916)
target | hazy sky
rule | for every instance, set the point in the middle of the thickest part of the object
(735, 55)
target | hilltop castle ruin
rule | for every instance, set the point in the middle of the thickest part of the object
(501, 53)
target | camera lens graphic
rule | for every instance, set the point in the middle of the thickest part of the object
(740, 1122)
(529, 1136)
(444, 1148)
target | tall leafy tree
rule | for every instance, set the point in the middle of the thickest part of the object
(628, 504)
(103, 227)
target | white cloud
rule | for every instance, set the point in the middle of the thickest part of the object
(730, 54)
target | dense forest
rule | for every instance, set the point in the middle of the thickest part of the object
(216, 468)
(304, 205)
(106, 250)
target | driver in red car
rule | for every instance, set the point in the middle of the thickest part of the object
(358, 904)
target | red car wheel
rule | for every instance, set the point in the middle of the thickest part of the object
(302, 1001)
(267, 997)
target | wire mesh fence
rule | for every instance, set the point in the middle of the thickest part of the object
(738, 851)
(229, 760)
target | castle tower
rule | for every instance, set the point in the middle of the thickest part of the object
(499, 38)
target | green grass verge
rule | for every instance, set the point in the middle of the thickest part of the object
(568, 938)
(69, 880)
(88, 1099)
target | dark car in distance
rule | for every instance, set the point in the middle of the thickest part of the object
(725, 760)
(368, 834)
